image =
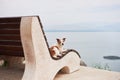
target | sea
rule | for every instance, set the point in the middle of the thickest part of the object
(92, 46)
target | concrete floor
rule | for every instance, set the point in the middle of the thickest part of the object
(85, 73)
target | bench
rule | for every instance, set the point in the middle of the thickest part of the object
(25, 37)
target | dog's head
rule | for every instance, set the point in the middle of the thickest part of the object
(61, 41)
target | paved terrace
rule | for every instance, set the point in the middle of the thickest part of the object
(85, 73)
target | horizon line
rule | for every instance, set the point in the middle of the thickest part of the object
(78, 31)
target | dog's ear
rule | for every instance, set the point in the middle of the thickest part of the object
(58, 40)
(64, 39)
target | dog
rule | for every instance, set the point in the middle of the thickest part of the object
(57, 50)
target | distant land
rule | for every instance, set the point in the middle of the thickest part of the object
(111, 57)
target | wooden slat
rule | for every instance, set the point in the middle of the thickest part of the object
(9, 37)
(10, 20)
(11, 43)
(9, 31)
(10, 25)
(12, 53)
(11, 48)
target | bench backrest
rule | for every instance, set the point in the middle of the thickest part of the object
(10, 40)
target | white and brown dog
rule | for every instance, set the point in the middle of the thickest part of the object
(57, 50)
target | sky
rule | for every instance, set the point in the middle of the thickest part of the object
(70, 15)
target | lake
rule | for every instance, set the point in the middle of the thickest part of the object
(92, 46)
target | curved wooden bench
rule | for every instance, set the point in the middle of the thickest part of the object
(24, 36)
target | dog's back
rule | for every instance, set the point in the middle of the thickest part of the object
(54, 51)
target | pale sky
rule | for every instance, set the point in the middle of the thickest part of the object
(83, 15)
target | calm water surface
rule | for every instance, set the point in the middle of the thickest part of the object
(92, 46)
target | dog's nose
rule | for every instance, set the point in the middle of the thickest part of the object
(62, 43)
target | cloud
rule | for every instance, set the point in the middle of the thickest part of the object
(59, 13)
(85, 11)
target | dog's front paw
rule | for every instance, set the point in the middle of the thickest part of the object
(64, 52)
(55, 56)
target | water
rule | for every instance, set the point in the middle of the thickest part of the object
(92, 46)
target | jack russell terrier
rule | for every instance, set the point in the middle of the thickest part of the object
(57, 50)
